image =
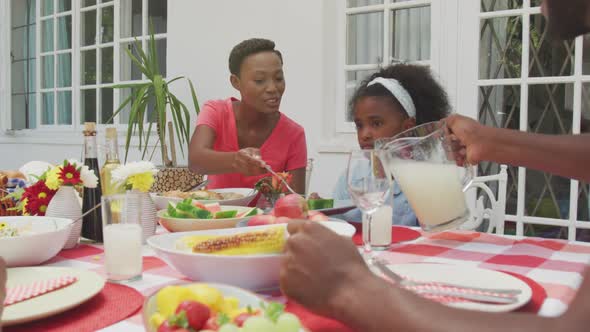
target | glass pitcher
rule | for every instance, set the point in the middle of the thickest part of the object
(423, 162)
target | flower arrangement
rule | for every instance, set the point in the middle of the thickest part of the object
(271, 187)
(135, 175)
(70, 173)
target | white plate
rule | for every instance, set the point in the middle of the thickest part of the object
(471, 277)
(88, 285)
(249, 194)
(255, 272)
(194, 224)
(244, 223)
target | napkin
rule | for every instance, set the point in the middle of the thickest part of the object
(28, 291)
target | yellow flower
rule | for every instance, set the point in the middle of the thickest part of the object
(42, 195)
(52, 180)
(142, 181)
(3, 224)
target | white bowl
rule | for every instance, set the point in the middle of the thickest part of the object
(255, 272)
(249, 194)
(189, 224)
(46, 238)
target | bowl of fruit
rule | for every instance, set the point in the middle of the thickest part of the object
(191, 215)
(214, 307)
(248, 257)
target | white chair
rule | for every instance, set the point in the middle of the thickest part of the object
(496, 212)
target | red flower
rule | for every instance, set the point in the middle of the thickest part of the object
(38, 197)
(69, 175)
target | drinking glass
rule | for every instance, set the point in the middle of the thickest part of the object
(121, 221)
(368, 186)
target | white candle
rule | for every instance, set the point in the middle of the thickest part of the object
(122, 248)
(381, 226)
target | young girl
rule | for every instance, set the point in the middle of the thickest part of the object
(235, 139)
(395, 99)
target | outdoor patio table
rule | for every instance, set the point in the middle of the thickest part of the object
(554, 264)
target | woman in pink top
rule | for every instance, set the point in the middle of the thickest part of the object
(235, 139)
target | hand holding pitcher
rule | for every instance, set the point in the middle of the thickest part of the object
(423, 161)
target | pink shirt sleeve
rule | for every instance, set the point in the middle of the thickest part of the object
(210, 116)
(297, 155)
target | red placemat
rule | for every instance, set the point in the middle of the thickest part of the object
(398, 234)
(113, 304)
(317, 323)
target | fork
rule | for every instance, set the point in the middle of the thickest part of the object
(411, 283)
(267, 167)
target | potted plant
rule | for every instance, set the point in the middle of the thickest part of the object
(156, 89)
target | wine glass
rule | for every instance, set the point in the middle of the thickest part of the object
(369, 187)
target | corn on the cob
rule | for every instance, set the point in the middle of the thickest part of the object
(267, 241)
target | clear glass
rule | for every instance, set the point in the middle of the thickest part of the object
(423, 163)
(369, 187)
(121, 221)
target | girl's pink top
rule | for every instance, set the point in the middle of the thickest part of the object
(284, 150)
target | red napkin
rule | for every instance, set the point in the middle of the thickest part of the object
(398, 234)
(24, 292)
(113, 304)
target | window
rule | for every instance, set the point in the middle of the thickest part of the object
(378, 33)
(81, 50)
(527, 82)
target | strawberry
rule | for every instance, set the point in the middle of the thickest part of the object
(197, 313)
(166, 327)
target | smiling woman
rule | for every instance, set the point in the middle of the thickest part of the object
(235, 139)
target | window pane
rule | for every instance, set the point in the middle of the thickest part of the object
(19, 76)
(411, 34)
(353, 81)
(47, 35)
(64, 107)
(360, 3)
(86, 3)
(550, 112)
(18, 45)
(158, 14)
(47, 72)
(31, 101)
(18, 14)
(107, 24)
(500, 48)
(106, 105)
(47, 116)
(161, 54)
(64, 32)
(88, 28)
(64, 70)
(584, 188)
(124, 114)
(494, 5)
(32, 76)
(129, 70)
(64, 5)
(88, 105)
(536, 3)
(365, 38)
(19, 112)
(499, 106)
(107, 64)
(46, 7)
(88, 67)
(131, 23)
(549, 58)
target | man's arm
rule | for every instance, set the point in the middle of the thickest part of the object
(564, 155)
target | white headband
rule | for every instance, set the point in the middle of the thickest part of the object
(398, 91)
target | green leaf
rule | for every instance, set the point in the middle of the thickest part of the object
(179, 320)
(273, 310)
(137, 63)
(152, 49)
(129, 85)
(194, 95)
(223, 319)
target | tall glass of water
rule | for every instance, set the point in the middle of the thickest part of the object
(368, 186)
(121, 219)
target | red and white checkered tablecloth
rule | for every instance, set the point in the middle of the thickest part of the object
(556, 265)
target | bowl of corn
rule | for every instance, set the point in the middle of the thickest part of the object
(247, 257)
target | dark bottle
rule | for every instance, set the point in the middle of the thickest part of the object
(92, 223)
